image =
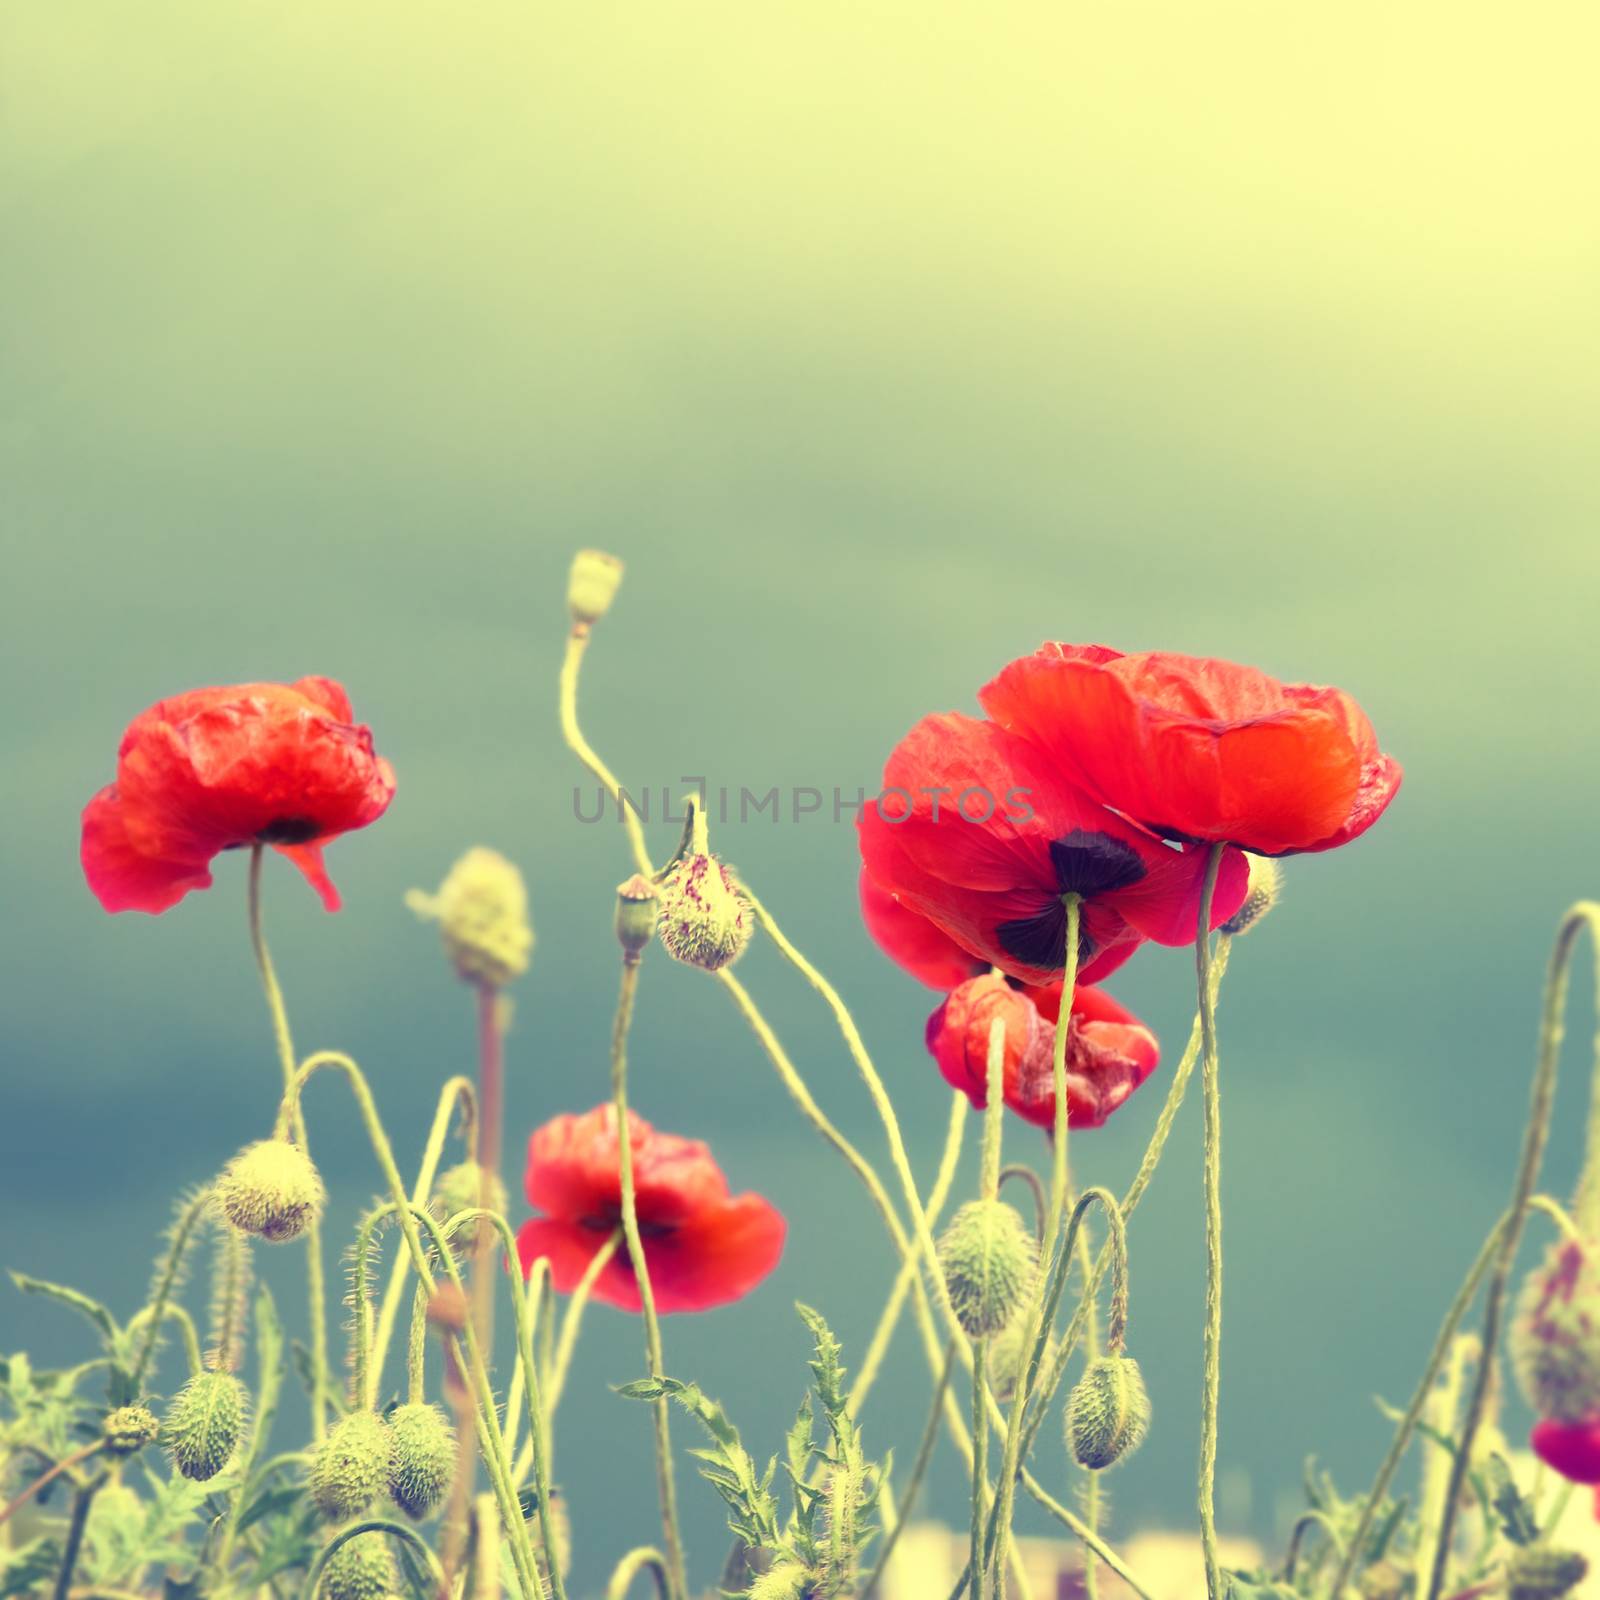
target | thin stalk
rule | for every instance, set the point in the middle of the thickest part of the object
(631, 1565)
(534, 1303)
(158, 1308)
(66, 1464)
(577, 643)
(1091, 1349)
(178, 1315)
(1205, 1485)
(392, 1530)
(417, 1348)
(980, 1465)
(572, 1321)
(988, 1189)
(316, 1288)
(641, 1271)
(1017, 1173)
(81, 1502)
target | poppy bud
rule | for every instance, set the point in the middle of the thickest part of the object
(637, 908)
(423, 1458)
(989, 1258)
(1536, 1572)
(1554, 1340)
(1108, 1412)
(1383, 1580)
(1260, 896)
(351, 1467)
(129, 1429)
(1009, 1351)
(561, 1537)
(361, 1568)
(704, 920)
(204, 1423)
(482, 912)
(592, 585)
(786, 1581)
(271, 1190)
(459, 1188)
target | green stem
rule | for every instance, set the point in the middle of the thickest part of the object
(392, 1530)
(174, 1313)
(417, 1348)
(49, 1476)
(316, 1288)
(182, 1233)
(1212, 1342)
(81, 1503)
(1017, 1173)
(645, 1559)
(641, 1271)
(1551, 1029)
(573, 1319)
(988, 1189)
(980, 1465)
(577, 643)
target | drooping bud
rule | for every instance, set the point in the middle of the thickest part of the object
(482, 912)
(592, 585)
(637, 909)
(129, 1429)
(351, 1467)
(1261, 894)
(361, 1568)
(204, 1423)
(459, 1188)
(1108, 1412)
(704, 919)
(786, 1581)
(1554, 1340)
(989, 1258)
(1537, 1572)
(423, 1458)
(271, 1191)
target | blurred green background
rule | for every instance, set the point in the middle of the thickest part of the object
(883, 341)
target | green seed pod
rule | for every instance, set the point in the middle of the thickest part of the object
(560, 1533)
(1261, 894)
(1554, 1339)
(482, 912)
(637, 909)
(271, 1190)
(361, 1568)
(204, 1423)
(351, 1467)
(1537, 1572)
(989, 1258)
(786, 1581)
(129, 1429)
(592, 585)
(705, 920)
(422, 1462)
(1108, 1412)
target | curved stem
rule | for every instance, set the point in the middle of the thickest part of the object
(316, 1289)
(1212, 1343)
(392, 1530)
(572, 1321)
(577, 643)
(174, 1313)
(157, 1310)
(1586, 914)
(645, 1559)
(458, 1091)
(1303, 1525)
(65, 1464)
(1017, 1173)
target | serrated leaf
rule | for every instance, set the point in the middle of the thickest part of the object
(83, 1304)
(1513, 1510)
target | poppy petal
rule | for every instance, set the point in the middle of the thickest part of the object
(121, 876)
(308, 858)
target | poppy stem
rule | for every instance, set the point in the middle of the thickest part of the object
(631, 1565)
(577, 643)
(641, 1271)
(980, 1464)
(1212, 1146)
(316, 1289)
(156, 1311)
(994, 1111)
(577, 1301)
(1552, 1027)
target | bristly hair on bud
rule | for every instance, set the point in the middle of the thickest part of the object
(422, 1460)
(705, 918)
(1261, 894)
(203, 1424)
(1554, 1339)
(361, 1568)
(1108, 1412)
(788, 1580)
(482, 912)
(592, 585)
(637, 908)
(128, 1429)
(989, 1258)
(1538, 1572)
(271, 1191)
(351, 1466)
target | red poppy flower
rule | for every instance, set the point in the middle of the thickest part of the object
(982, 834)
(1109, 1051)
(213, 769)
(1198, 749)
(928, 954)
(1570, 1448)
(703, 1246)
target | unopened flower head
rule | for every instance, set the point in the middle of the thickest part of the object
(482, 912)
(128, 1429)
(1540, 1572)
(1108, 1412)
(788, 1580)
(460, 1188)
(592, 585)
(204, 1423)
(271, 1190)
(422, 1461)
(989, 1258)
(361, 1568)
(705, 920)
(1554, 1340)
(351, 1467)
(1261, 894)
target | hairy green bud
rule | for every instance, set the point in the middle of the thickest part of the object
(361, 1568)
(1537, 1572)
(351, 1467)
(271, 1190)
(989, 1258)
(422, 1461)
(788, 1580)
(705, 920)
(1108, 1412)
(204, 1423)
(1261, 894)
(482, 912)
(1554, 1339)
(592, 585)
(129, 1429)
(459, 1188)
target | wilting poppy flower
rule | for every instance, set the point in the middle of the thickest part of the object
(912, 942)
(1109, 1051)
(982, 834)
(1199, 749)
(214, 769)
(702, 1245)
(1570, 1448)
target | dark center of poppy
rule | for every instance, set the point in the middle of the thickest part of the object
(1085, 864)
(289, 830)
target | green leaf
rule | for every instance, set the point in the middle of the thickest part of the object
(27, 1568)
(81, 1303)
(1514, 1512)
(271, 1503)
